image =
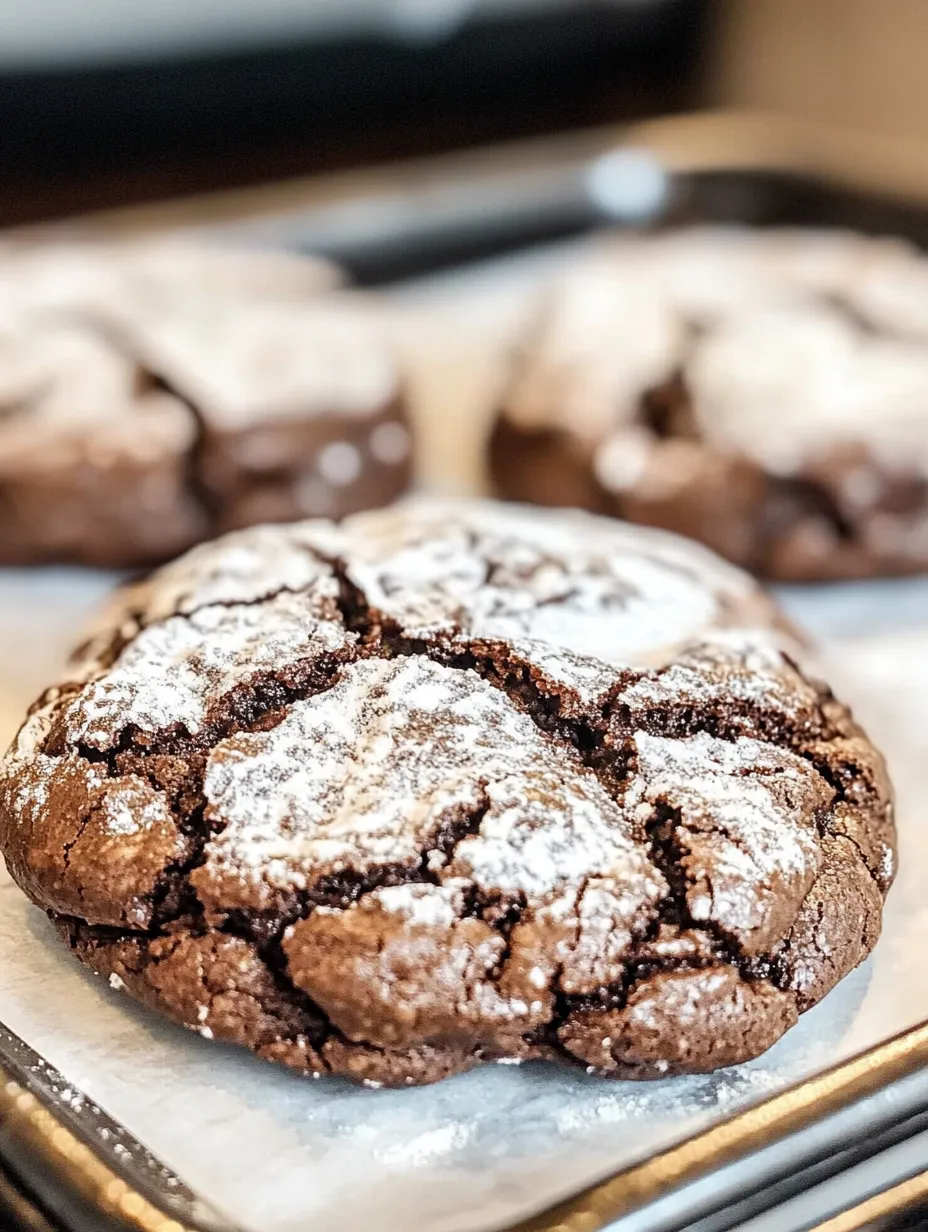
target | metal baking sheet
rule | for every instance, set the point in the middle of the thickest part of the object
(474, 1153)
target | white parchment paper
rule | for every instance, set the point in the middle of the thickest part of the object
(282, 1154)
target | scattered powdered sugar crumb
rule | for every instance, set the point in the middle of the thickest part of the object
(130, 809)
(887, 864)
(116, 982)
(431, 906)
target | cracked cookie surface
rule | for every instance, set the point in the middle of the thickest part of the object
(762, 391)
(452, 783)
(155, 394)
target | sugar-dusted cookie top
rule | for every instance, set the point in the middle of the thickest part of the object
(155, 393)
(763, 391)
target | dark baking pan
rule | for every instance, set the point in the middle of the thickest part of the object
(57, 1170)
(390, 223)
(425, 217)
(627, 187)
(420, 216)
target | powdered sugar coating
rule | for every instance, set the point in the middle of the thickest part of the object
(154, 394)
(101, 277)
(762, 327)
(73, 384)
(747, 817)
(729, 667)
(599, 595)
(241, 568)
(172, 669)
(854, 387)
(399, 747)
(579, 376)
(243, 362)
(449, 783)
(763, 391)
(59, 362)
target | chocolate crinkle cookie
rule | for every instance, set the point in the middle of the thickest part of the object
(766, 392)
(453, 783)
(155, 394)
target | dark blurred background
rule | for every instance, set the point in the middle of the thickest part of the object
(111, 103)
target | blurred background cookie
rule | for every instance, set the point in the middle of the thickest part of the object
(766, 392)
(153, 394)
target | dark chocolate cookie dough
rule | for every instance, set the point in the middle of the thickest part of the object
(765, 392)
(154, 395)
(453, 783)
